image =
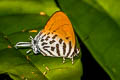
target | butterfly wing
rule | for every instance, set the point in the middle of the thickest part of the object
(61, 25)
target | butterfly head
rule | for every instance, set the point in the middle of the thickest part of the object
(34, 45)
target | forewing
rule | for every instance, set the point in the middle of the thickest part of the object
(60, 24)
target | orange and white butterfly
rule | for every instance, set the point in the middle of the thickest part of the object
(57, 39)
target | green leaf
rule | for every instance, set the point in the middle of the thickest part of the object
(111, 7)
(17, 19)
(97, 24)
(10, 7)
(15, 64)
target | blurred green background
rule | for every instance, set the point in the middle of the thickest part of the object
(97, 27)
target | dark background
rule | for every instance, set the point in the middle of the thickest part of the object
(91, 69)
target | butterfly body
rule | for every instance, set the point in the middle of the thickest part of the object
(57, 39)
(50, 44)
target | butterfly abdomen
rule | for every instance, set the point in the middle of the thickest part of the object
(50, 44)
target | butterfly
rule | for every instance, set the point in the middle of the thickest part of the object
(57, 39)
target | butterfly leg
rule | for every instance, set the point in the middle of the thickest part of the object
(63, 60)
(78, 51)
(72, 60)
(28, 51)
(31, 38)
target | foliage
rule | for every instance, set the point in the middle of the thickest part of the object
(17, 19)
(97, 23)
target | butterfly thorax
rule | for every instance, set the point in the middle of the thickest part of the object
(34, 45)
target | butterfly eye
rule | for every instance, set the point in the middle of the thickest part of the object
(35, 41)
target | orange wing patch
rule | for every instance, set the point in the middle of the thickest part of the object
(61, 25)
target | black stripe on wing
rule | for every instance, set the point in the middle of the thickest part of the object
(49, 52)
(44, 43)
(54, 36)
(70, 47)
(39, 50)
(52, 41)
(57, 49)
(60, 41)
(43, 35)
(64, 48)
